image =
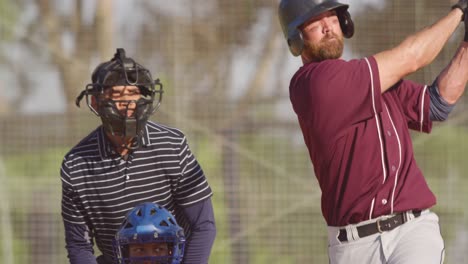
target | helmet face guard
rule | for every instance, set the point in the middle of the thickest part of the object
(123, 71)
(294, 13)
(174, 256)
(149, 223)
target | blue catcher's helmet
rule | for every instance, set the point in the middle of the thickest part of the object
(149, 223)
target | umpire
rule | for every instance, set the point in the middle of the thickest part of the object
(129, 160)
(355, 117)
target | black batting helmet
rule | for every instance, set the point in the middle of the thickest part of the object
(294, 13)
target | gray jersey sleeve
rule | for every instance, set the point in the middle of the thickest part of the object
(439, 108)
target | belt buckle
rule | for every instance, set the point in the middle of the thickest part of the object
(378, 225)
(385, 226)
(391, 223)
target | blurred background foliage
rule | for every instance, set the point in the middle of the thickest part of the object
(226, 70)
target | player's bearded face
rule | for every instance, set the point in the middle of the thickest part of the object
(329, 47)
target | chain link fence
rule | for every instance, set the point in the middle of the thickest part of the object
(226, 70)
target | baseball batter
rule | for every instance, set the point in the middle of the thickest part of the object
(355, 117)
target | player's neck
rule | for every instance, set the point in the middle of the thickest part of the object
(119, 144)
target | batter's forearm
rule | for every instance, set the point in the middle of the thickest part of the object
(417, 50)
(426, 44)
(452, 80)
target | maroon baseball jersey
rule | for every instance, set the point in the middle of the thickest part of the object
(359, 141)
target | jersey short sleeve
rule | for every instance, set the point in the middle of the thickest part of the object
(192, 186)
(415, 102)
(71, 212)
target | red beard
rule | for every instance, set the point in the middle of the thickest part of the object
(330, 47)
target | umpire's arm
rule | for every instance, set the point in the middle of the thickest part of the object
(79, 244)
(198, 246)
(193, 194)
(78, 239)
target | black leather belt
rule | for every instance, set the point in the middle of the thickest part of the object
(381, 225)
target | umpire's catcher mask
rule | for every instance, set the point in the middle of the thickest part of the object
(294, 13)
(145, 224)
(123, 71)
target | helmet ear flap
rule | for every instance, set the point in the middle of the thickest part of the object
(296, 43)
(347, 24)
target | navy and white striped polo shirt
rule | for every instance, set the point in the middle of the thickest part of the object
(99, 187)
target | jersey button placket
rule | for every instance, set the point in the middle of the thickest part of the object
(128, 164)
(127, 170)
